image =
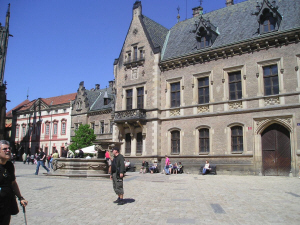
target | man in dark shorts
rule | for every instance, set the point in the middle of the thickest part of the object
(8, 186)
(117, 174)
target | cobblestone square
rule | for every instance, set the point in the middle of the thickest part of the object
(158, 199)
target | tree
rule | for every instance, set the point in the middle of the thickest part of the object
(84, 137)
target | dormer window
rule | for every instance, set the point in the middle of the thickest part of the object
(269, 23)
(205, 32)
(268, 16)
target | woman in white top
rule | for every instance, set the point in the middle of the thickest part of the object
(206, 167)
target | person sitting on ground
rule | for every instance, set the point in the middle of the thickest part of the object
(170, 168)
(206, 168)
(175, 168)
(153, 168)
(144, 167)
(80, 154)
(127, 165)
(70, 154)
(179, 167)
(88, 157)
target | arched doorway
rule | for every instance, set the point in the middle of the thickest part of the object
(276, 151)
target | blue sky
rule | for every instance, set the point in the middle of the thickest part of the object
(56, 44)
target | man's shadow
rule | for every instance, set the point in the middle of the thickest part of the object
(128, 200)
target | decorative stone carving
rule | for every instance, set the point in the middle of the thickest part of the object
(261, 124)
(203, 109)
(175, 112)
(272, 101)
(235, 105)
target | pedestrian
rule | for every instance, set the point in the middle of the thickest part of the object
(8, 186)
(24, 157)
(167, 165)
(108, 160)
(55, 154)
(41, 158)
(32, 159)
(28, 159)
(49, 157)
(117, 174)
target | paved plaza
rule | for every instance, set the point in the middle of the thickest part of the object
(159, 199)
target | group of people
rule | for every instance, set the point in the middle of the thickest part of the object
(172, 168)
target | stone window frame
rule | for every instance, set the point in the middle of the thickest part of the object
(17, 130)
(102, 128)
(47, 128)
(63, 123)
(260, 78)
(195, 87)
(197, 137)
(134, 95)
(225, 81)
(229, 138)
(169, 144)
(168, 91)
(55, 128)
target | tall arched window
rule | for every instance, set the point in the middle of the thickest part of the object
(237, 139)
(128, 144)
(203, 140)
(139, 143)
(175, 142)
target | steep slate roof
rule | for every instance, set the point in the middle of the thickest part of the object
(96, 99)
(234, 24)
(157, 33)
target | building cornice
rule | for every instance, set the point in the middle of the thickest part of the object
(262, 42)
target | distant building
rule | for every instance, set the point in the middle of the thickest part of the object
(4, 35)
(42, 123)
(95, 107)
(222, 86)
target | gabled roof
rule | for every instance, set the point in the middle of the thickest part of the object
(22, 104)
(58, 100)
(234, 24)
(96, 99)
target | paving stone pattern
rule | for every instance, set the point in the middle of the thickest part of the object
(159, 199)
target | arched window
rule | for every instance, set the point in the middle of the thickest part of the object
(269, 24)
(175, 142)
(139, 143)
(128, 144)
(203, 140)
(237, 139)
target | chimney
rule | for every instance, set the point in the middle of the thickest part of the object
(137, 8)
(229, 2)
(197, 11)
(97, 86)
(111, 83)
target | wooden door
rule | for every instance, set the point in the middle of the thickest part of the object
(276, 151)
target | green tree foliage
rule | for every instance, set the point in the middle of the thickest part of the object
(84, 137)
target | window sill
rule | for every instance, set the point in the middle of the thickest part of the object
(237, 152)
(203, 153)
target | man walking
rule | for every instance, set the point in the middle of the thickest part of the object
(117, 174)
(41, 161)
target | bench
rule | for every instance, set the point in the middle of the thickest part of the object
(213, 169)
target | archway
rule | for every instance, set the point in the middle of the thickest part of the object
(276, 151)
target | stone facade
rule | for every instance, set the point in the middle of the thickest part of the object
(94, 107)
(208, 79)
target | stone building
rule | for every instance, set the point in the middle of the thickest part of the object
(223, 86)
(42, 123)
(94, 107)
(4, 35)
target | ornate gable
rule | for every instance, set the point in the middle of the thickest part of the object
(268, 16)
(38, 105)
(205, 33)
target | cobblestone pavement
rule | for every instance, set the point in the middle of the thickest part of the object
(159, 199)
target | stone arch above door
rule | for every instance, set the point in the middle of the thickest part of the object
(262, 123)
